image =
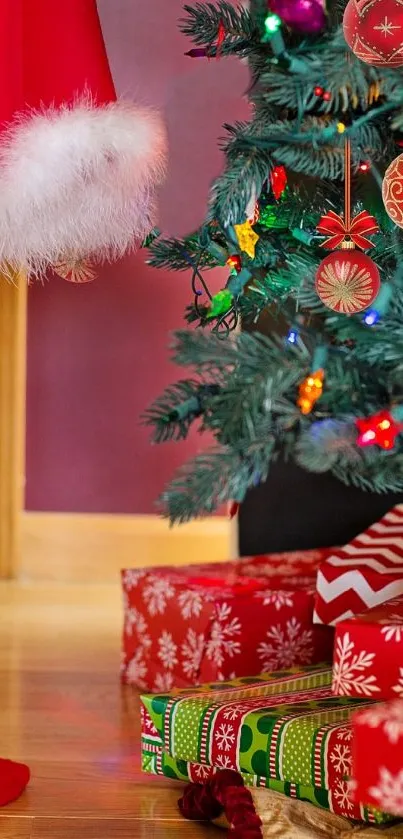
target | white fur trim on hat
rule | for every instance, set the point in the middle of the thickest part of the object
(78, 181)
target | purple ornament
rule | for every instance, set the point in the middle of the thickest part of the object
(303, 15)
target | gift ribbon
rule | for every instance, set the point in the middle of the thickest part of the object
(339, 229)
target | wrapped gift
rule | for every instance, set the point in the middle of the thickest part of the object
(377, 765)
(285, 731)
(365, 573)
(368, 653)
(186, 626)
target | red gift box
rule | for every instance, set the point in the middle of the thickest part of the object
(188, 626)
(368, 653)
(377, 757)
(367, 572)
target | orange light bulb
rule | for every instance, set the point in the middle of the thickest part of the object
(309, 391)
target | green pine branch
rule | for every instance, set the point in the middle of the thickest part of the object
(202, 22)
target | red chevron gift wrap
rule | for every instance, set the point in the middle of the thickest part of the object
(368, 653)
(378, 781)
(364, 573)
(186, 626)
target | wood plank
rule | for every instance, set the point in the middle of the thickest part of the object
(64, 712)
(80, 548)
(13, 313)
(84, 791)
(14, 828)
(118, 829)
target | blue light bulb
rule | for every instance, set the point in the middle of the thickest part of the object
(292, 336)
(371, 317)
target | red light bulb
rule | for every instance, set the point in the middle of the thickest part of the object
(234, 262)
(318, 91)
(327, 96)
(378, 430)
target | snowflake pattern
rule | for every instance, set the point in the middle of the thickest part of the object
(345, 734)
(286, 647)
(226, 678)
(192, 653)
(393, 632)
(341, 758)
(389, 791)
(136, 669)
(191, 603)
(134, 620)
(201, 771)
(278, 599)
(146, 722)
(221, 642)
(156, 594)
(399, 687)
(225, 736)
(167, 650)
(163, 682)
(348, 670)
(389, 716)
(224, 762)
(131, 577)
(233, 712)
(341, 793)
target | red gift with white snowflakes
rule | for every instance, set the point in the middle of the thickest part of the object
(377, 757)
(368, 653)
(188, 626)
(364, 573)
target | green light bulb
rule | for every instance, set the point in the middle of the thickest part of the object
(272, 23)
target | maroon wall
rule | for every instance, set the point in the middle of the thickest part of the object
(97, 354)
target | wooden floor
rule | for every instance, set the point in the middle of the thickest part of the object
(63, 712)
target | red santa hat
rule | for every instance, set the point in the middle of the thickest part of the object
(78, 169)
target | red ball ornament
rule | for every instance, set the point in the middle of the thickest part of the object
(347, 281)
(373, 30)
(392, 190)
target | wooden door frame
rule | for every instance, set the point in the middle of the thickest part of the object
(13, 342)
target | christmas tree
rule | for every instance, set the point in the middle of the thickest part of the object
(316, 373)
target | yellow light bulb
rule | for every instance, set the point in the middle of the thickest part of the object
(384, 425)
(341, 127)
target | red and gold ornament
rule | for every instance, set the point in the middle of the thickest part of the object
(347, 281)
(380, 429)
(75, 270)
(392, 190)
(373, 30)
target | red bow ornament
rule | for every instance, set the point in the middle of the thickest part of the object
(339, 231)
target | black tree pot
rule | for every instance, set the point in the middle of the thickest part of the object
(298, 510)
